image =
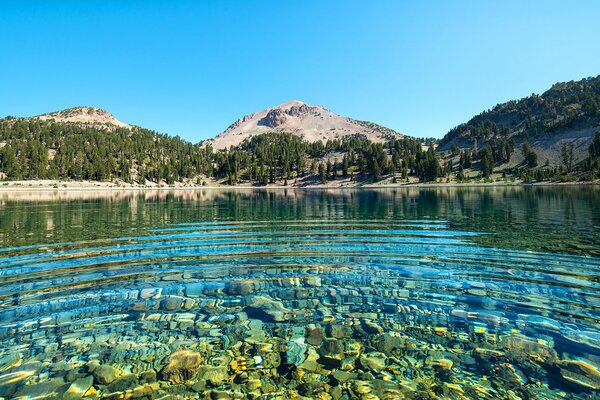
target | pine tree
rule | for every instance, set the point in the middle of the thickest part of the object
(322, 173)
(487, 162)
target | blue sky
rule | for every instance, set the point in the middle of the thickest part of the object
(191, 68)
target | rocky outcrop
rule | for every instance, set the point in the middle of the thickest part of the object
(273, 119)
(86, 116)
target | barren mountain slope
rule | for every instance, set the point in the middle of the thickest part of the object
(311, 122)
(84, 116)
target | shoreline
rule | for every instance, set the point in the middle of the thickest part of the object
(27, 186)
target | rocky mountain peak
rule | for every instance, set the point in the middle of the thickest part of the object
(311, 122)
(84, 115)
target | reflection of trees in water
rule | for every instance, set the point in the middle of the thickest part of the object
(515, 213)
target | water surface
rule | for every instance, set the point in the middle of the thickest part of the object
(395, 293)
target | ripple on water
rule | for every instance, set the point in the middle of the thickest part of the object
(410, 308)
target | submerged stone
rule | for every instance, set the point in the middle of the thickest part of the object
(344, 376)
(172, 303)
(265, 308)
(215, 375)
(181, 366)
(47, 390)
(373, 361)
(18, 374)
(390, 344)
(314, 335)
(9, 361)
(123, 383)
(581, 372)
(104, 374)
(79, 388)
(339, 331)
(295, 353)
(332, 352)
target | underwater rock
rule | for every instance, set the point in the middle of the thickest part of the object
(313, 281)
(311, 363)
(9, 361)
(443, 363)
(149, 293)
(361, 388)
(344, 376)
(215, 375)
(370, 327)
(79, 388)
(332, 352)
(73, 374)
(389, 344)
(295, 353)
(145, 391)
(47, 390)
(521, 346)
(314, 335)
(339, 331)
(181, 366)
(253, 384)
(20, 373)
(220, 395)
(505, 372)
(265, 308)
(104, 374)
(123, 383)
(243, 288)
(488, 354)
(373, 361)
(197, 289)
(542, 323)
(269, 360)
(172, 303)
(581, 372)
(313, 389)
(453, 387)
(148, 376)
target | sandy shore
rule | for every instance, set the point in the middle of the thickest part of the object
(51, 185)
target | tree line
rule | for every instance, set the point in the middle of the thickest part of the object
(32, 149)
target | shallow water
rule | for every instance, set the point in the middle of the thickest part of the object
(407, 293)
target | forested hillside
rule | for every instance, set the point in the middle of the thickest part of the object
(540, 137)
(572, 105)
(35, 149)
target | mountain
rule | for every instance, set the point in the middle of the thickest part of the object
(312, 123)
(567, 112)
(84, 116)
(88, 143)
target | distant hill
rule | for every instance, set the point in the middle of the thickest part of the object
(567, 112)
(88, 143)
(85, 116)
(311, 123)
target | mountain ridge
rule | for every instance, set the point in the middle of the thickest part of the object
(567, 111)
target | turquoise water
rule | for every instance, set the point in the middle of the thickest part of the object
(396, 293)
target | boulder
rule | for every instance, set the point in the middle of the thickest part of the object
(181, 366)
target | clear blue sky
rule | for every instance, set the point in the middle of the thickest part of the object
(193, 67)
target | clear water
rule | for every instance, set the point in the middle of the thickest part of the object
(407, 293)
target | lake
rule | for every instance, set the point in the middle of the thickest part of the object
(327, 294)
